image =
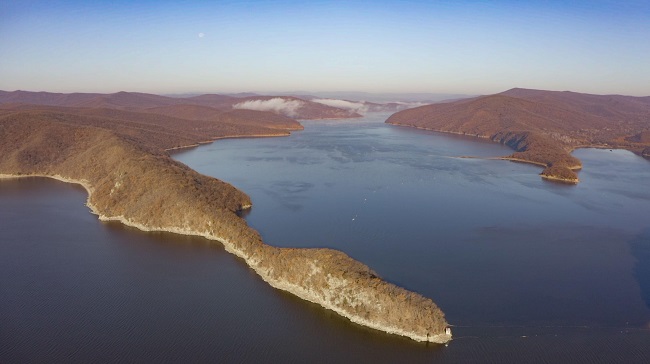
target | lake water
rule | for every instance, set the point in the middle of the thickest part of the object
(525, 269)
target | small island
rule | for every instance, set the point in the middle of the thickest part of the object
(119, 154)
(543, 127)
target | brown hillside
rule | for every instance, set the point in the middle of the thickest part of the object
(212, 100)
(45, 98)
(543, 127)
(237, 117)
(126, 100)
(642, 137)
(188, 111)
(118, 157)
(154, 136)
(137, 101)
(161, 131)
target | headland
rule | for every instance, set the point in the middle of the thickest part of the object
(120, 158)
(542, 127)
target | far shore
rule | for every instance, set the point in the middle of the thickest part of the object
(519, 160)
(243, 136)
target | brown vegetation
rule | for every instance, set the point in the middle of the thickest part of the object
(119, 156)
(543, 127)
(137, 101)
(642, 137)
(239, 116)
(166, 132)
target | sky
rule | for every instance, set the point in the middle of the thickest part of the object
(462, 47)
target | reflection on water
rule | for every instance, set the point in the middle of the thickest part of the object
(527, 270)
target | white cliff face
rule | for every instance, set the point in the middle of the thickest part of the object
(277, 105)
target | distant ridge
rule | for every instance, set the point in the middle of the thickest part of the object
(283, 105)
(543, 127)
(45, 98)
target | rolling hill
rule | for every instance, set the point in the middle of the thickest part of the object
(289, 106)
(543, 127)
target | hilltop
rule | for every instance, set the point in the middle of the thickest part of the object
(543, 127)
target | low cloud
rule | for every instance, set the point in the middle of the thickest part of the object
(277, 105)
(412, 104)
(358, 107)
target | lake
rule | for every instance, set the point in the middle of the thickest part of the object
(525, 269)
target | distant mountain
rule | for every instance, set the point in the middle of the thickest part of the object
(282, 105)
(126, 100)
(543, 127)
(609, 107)
(227, 115)
(244, 94)
(120, 100)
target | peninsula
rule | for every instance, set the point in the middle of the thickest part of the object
(119, 154)
(543, 127)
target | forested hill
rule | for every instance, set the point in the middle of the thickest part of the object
(543, 127)
(289, 106)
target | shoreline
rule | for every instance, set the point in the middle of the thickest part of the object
(265, 274)
(442, 131)
(341, 118)
(573, 181)
(572, 148)
(512, 159)
(239, 136)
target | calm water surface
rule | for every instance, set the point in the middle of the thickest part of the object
(524, 269)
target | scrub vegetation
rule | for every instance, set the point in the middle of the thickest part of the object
(543, 127)
(120, 157)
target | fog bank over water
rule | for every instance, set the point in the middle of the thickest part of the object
(379, 97)
(278, 105)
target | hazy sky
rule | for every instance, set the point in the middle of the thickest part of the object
(469, 47)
